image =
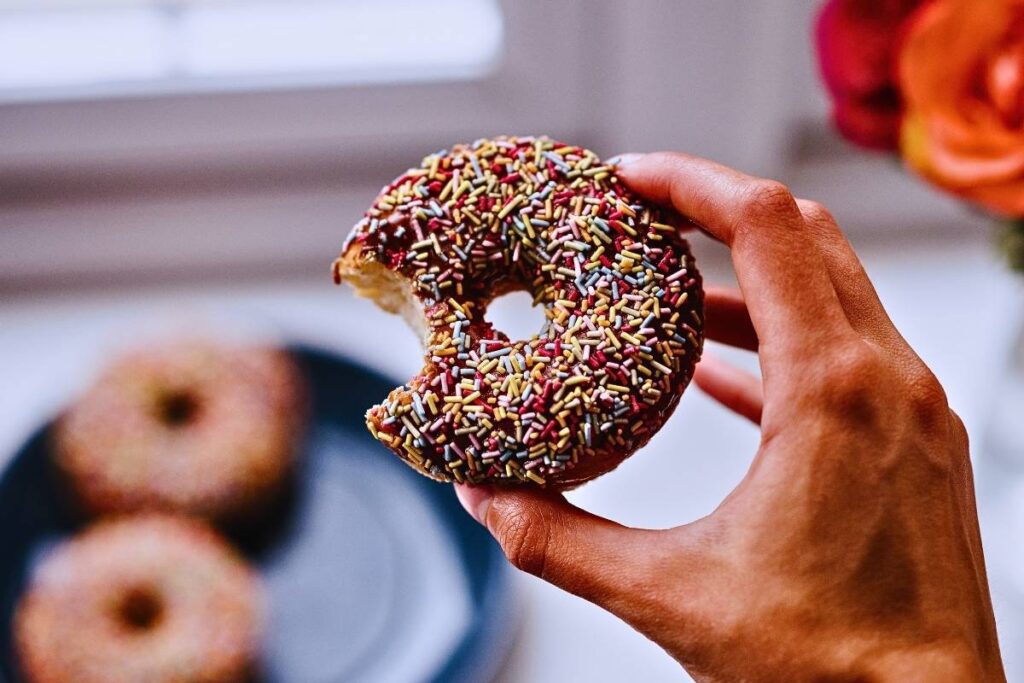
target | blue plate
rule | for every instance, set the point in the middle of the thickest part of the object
(374, 573)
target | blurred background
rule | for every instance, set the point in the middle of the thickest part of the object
(167, 159)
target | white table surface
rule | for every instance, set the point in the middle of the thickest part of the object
(951, 299)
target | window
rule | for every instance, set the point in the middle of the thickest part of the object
(148, 137)
(55, 50)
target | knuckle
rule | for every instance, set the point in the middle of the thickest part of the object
(944, 448)
(524, 536)
(925, 397)
(852, 385)
(961, 453)
(817, 215)
(768, 199)
(853, 365)
(960, 429)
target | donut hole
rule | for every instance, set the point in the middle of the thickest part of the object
(177, 408)
(516, 315)
(139, 610)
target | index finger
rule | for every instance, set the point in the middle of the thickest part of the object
(789, 294)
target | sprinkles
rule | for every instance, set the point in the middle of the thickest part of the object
(622, 299)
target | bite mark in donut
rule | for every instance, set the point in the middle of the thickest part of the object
(622, 300)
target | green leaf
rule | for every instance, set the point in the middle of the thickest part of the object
(1011, 241)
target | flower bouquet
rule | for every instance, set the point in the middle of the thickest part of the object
(941, 82)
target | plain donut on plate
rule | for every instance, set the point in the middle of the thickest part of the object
(190, 426)
(150, 598)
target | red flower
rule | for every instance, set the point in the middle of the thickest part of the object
(858, 43)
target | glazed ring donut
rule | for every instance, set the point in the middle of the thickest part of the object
(622, 300)
(192, 427)
(150, 598)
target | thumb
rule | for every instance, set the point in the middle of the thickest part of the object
(543, 534)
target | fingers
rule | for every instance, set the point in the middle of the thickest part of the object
(726, 318)
(543, 534)
(856, 294)
(729, 322)
(736, 389)
(792, 303)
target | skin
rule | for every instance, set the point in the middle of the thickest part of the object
(850, 551)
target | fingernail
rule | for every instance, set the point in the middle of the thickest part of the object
(475, 499)
(621, 160)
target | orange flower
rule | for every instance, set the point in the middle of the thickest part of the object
(962, 76)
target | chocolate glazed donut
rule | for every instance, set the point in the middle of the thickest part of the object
(622, 300)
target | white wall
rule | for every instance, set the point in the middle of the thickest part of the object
(248, 184)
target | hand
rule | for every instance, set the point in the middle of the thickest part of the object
(850, 551)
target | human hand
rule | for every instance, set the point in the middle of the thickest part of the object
(850, 551)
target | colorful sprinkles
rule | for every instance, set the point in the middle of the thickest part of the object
(622, 301)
